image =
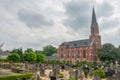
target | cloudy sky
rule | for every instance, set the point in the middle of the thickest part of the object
(37, 23)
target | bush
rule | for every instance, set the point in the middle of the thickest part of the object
(100, 72)
(60, 75)
(71, 79)
(15, 77)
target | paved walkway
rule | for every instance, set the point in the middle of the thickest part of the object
(6, 72)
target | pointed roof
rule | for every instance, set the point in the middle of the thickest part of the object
(94, 21)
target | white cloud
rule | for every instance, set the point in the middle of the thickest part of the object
(54, 21)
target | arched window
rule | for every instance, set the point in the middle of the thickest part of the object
(84, 54)
(72, 54)
(78, 54)
(62, 53)
(68, 54)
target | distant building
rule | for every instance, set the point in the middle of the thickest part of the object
(82, 50)
(53, 57)
(3, 54)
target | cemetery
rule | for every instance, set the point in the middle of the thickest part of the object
(60, 71)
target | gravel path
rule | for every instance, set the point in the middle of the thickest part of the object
(6, 72)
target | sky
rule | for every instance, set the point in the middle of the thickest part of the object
(37, 23)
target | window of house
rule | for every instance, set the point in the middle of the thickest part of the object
(84, 54)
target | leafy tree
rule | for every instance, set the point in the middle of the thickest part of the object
(18, 51)
(41, 58)
(29, 50)
(38, 52)
(13, 57)
(49, 50)
(30, 56)
(108, 52)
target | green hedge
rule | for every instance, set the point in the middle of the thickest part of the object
(71, 79)
(100, 72)
(19, 76)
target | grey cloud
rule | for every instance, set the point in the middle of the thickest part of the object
(33, 19)
(110, 23)
(78, 15)
(105, 9)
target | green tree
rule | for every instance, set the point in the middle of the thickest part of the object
(41, 58)
(18, 51)
(13, 57)
(29, 50)
(49, 50)
(108, 52)
(30, 56)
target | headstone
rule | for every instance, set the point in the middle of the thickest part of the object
(76, 75)
(97, 77)
(52, 75)
(23, 67)
(55, 72)
(42, 70)
(91, 73)
(72, 75)
(26, 65)
(80, 73)
(38, 77)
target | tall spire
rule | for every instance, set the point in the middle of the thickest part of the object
(94, 21)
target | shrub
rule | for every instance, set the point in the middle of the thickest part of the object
(15, 77)
(100, 72)
(71, 79)
(60, 75)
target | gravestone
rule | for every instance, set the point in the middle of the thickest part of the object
(26, 65)
(42, 70)
(97, 77)
(80, 73)
(55, 71)
(91, 73)
(76, 75)
(72, 74)
(117, 77)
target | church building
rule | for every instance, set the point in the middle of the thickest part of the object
(82, 50)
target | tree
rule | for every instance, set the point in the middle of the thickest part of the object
(18, 51)
(49, 50)
(30, 56)
(29, 50)
(41, 57)
(108, 52)
(13, 57)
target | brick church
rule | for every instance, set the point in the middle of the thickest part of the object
(82, 50)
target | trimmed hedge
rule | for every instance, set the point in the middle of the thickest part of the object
(71, 79)
(18, 76)
(100, 72)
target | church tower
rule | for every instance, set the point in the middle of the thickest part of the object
(95, 38)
